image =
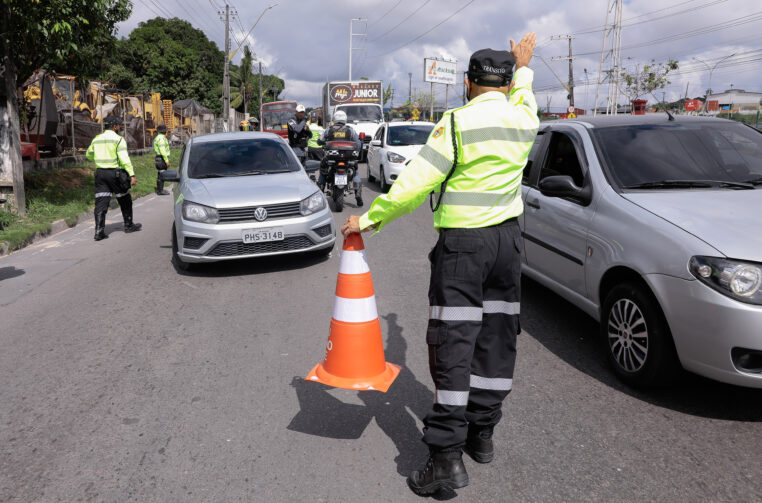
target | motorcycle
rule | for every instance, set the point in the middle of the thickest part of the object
(339, 168)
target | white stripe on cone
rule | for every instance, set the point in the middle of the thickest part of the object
(355, 310)
(353, 262)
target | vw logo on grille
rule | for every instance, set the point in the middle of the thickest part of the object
(260, 214)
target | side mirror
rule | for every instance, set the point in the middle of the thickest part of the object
(169, 175)
(311, 165)
(563, 186)
(375, 143)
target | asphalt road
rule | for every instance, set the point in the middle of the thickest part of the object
(121, 380)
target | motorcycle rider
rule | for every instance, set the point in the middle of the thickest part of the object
(340, 130)
(299, 133)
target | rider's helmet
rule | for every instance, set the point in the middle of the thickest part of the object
(340, 116)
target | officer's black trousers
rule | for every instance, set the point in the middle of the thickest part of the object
(474, 297)
(161, 165)
(108, 183)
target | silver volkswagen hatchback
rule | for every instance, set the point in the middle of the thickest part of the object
(244, 195)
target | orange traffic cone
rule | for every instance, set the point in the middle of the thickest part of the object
(354, 356)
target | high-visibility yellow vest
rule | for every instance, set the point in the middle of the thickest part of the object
(494, 136)
(161, 146)
(316, 131)
(109, 151)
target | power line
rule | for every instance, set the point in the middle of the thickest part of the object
(429, 30)
(386, 13)
(398, 24)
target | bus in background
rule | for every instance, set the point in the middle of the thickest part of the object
(275, 116)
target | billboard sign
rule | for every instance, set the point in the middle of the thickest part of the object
(693, 105)
(439, 71)
(341, 93)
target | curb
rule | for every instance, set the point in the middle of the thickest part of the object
(56, 227)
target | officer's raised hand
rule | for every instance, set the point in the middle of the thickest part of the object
(524, 49)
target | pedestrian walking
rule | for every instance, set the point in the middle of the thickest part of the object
(114, 176)
(161, 149)
(473, 163)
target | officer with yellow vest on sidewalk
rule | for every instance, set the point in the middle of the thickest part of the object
(473, 162)
(114, 176)
(161, 149)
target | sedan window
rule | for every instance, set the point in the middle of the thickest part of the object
(409, 135)
(707, 152)
(240, 157)
(562, 160)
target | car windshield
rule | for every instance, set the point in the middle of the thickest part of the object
(682, 155)
(362, 113)
(216, 159)
(276, 120)
(409, 135)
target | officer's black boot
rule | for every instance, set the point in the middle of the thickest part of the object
(100, 226)
(442, 470)
(358, 195)
(479, 444)
(160, 187)
(130, 226)
(125, 204)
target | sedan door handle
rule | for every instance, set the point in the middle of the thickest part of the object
(534, 204)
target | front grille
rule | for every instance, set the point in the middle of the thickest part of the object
(323, 231)
(234, 248)
(194, 243)
(283, 210)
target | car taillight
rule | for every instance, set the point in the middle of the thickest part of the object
(362, 136)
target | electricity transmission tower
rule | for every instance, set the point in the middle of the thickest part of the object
(611, 54)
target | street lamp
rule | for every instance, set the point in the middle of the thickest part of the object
(711, 70)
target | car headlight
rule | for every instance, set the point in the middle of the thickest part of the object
(395, 158)
(312, 204)
(739, 280)
(200, 213)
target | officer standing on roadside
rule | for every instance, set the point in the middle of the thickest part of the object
(314, 150)
(161, 149)
(114, 176)
(473, 161)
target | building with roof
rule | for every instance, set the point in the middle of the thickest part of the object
(735, 100)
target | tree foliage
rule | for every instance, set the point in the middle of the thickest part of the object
(67, 36)
(644, 81)
(171, 57)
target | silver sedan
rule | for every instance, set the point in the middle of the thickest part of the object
(652, 225)
(244, 195)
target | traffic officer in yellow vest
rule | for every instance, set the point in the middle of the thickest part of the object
(161, 149)
(314, 150)
(114, 176)
(473, 163)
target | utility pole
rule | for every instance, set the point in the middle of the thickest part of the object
(226, 74)
(391, 105)
(260, 97)
(611, 48)
(351, 36)
(465, 74)
(431, 113)
(570, 86)
(447, 96)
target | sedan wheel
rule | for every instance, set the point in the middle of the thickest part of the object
(637, 338)
(180, 266)
(382, 181)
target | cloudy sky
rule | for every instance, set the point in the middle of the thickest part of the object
(306, 42)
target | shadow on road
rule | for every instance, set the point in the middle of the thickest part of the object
(323, 415)
(573, 336)
(10, 272)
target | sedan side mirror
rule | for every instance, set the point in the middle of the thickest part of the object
(169, 175)
(376, 143)
(563, 186)
(311, 165)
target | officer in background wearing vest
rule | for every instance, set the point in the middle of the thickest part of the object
(315, 151)
(473, 163)
(114, 176)
(161, 149)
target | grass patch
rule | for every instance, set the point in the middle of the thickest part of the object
(66, 192)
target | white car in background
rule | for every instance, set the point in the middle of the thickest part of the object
(394, 144)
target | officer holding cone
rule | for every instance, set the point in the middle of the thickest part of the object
(161, 149)
(473, 163)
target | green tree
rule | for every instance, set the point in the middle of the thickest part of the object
(171, 57)
(387, 93)
(69, 36)
(644, 81)
(243, 82)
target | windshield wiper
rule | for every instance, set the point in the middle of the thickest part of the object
(690, 184)
(210, 175)
(754, 181)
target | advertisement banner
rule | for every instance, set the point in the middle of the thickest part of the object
(439, 71)
(341, 93)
